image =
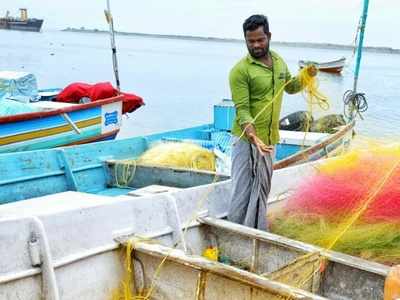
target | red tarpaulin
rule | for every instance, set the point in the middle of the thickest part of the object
(76, 91)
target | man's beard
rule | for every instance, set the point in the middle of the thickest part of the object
(259, 53)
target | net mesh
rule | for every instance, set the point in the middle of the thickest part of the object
(350, 205)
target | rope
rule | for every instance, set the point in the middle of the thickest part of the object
(354, 103)
(313, 97)
(124, 172)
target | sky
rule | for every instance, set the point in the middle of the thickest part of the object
(327, 21)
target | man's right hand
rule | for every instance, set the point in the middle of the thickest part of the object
(251, 135)
(261, 147)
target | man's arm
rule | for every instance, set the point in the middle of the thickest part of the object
(295, 84)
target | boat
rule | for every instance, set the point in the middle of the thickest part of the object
(31, 119)
(334, 66)
(22, 23)
(60, 124)
(68, 245)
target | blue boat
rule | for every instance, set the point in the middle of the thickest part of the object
(94, 168)
(61, 124)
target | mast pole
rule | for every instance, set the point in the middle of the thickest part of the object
(360, 44)
(110, 22)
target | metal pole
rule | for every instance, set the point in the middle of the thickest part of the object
(110, 22)
(360, 44)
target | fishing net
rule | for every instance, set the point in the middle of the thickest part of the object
(350, 205)
(180, 155)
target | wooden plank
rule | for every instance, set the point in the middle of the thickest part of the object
(304, 272)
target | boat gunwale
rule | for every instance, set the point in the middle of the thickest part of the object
(326, 64)
(58, 111)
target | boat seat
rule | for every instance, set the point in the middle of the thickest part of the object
(301, 138)
(152, 190)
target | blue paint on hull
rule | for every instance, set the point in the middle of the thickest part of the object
(48, 122)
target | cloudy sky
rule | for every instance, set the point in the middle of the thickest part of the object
(332, 21)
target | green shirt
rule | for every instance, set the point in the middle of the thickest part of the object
(253, 86)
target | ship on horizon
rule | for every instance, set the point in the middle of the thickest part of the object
(22, 23)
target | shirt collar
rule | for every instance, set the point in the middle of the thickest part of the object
(252, 60)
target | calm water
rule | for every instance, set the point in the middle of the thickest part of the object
(180, 80)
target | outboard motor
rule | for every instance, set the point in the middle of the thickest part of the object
(298, 121)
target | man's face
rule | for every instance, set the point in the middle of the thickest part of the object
(257, 42)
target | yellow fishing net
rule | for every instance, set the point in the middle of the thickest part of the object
(181, 155)
(165, 154)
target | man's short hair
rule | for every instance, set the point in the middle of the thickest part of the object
(255, 21)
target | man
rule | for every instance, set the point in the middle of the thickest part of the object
(257, 82)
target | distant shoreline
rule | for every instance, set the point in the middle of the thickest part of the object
(232, 40)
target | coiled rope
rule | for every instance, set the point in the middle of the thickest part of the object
(354, 103)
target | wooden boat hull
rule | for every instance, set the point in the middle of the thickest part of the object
(334, 70)
(50, 128)
(335, 66)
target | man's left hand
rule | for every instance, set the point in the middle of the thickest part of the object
(312, 70)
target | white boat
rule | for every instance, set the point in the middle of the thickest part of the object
(334, 66)
(67, 246)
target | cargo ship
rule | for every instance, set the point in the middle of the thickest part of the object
(22, 23)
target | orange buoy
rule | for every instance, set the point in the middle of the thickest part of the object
(392, 284)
